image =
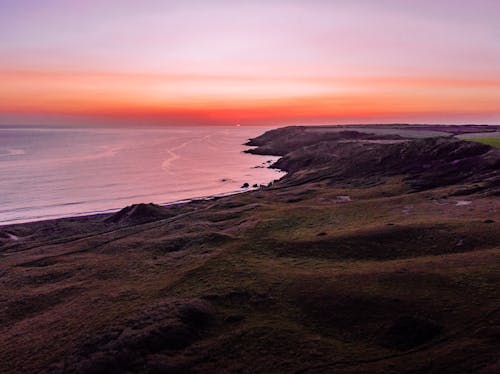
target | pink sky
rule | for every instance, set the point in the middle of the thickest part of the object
(258, 62)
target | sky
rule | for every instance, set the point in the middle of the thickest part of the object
(256, 62)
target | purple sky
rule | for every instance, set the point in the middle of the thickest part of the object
(258, 61)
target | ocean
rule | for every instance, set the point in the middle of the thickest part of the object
(48, 173)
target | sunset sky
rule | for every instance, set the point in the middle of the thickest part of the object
(249, 62)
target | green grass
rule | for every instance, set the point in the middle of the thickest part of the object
(494, 142)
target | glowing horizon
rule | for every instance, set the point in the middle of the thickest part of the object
(275, 62)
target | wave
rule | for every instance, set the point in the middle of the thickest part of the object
(13, 152)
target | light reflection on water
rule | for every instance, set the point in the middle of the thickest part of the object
(50, 173)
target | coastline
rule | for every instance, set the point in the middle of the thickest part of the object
(356, 261)
(129, 170)
(263, 145)
(108, 213)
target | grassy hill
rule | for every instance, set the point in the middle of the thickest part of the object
(366, 266)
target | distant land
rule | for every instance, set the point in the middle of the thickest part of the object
(378, 251)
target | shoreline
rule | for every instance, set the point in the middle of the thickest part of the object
(110, 212)
(212, 180)
(259, 146)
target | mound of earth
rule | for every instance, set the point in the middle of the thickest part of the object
(132, 344)
(139, 213)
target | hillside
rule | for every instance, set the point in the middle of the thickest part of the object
(379, 251)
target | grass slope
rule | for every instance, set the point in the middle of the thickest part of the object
(494, 142)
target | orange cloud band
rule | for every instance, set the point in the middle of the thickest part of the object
(244, 98)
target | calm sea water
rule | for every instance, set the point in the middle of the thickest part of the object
(51, 173)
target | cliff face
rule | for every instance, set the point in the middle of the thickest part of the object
(353, 158)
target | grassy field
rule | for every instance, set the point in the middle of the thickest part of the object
(290, 280)
(494, 142)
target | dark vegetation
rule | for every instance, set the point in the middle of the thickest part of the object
(376, 253)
